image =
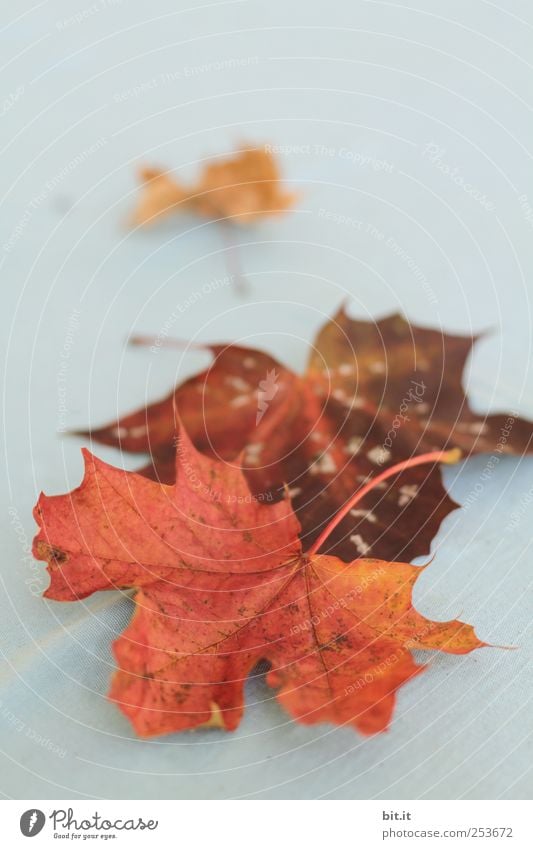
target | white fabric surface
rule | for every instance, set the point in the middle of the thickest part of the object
(82, 105)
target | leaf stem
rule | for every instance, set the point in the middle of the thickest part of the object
(167, 342)
(232, 258)
(451, 456)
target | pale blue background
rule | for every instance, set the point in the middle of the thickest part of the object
(379, 79)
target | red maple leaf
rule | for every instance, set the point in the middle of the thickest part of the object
(220, 583)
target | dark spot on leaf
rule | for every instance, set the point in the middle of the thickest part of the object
(51, 553)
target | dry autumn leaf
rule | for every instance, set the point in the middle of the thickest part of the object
(221, 582)
(240, 188)
(372, 394)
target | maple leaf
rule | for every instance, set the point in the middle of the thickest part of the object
(373, 393)
(221, 582)
(241, 188)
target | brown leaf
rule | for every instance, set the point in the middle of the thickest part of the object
(373, 394)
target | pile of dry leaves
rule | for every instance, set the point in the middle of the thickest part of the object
(278, 512)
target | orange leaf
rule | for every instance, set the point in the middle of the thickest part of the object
(242, 188)
(221, 582)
